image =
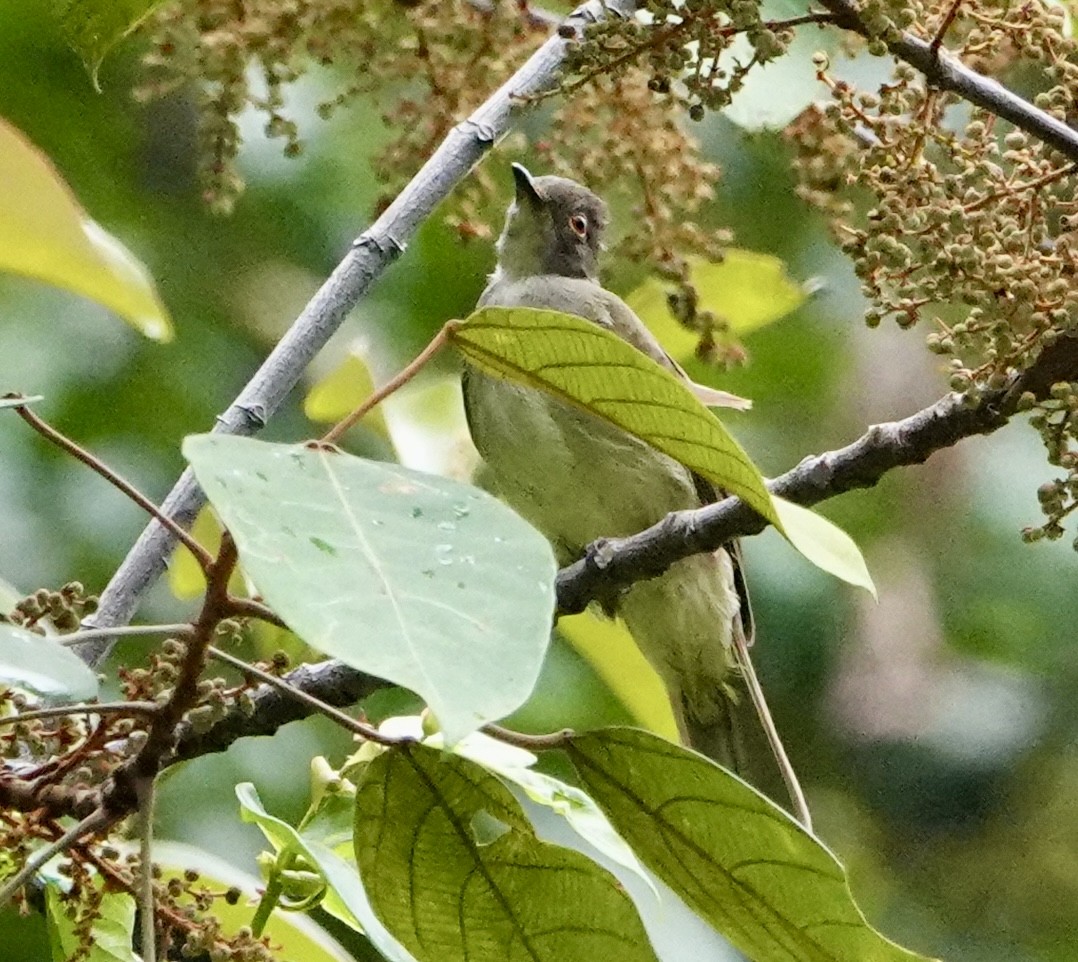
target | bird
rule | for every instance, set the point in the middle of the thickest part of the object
(577, 478)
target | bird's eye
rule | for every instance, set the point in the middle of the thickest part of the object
(579, 225)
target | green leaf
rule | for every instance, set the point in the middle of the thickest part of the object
(515, 765)
(741, 862)
(339, 876)
(747, 289)
(45, 234)
(32, 661)
(110, 932)
(458, 873)
(824, 543)
(424, 581)
(596, 370)
(93, 27)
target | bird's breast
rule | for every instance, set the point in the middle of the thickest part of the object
(575, 476)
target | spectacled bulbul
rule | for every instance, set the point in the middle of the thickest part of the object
(578, 478)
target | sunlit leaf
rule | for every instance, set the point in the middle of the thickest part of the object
(595, 369)
(341, 391)
(426, 582)
(29, 660)
(109, 935)
(824, 544)
(746, 289)
(609, 648)
(185, 577)
(45, 234)
(457, 872)
(741, 862)
(93, 27)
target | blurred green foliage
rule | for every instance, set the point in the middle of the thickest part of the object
(935, 733)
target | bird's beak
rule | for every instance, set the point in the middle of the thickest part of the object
(526, 189)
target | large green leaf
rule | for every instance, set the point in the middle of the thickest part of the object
(45, 234)
(29, 660)
(427, 582)
(457, 873)
(94, 27)
(581, 362)
(741, 862)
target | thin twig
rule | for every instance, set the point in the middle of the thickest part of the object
(148, 915)
(92, 824)
(395, 383)
(202, 556)
(249, 608)
(91, 634)
(535, 743)
(369, 732)
(90, 708)
(945, 25)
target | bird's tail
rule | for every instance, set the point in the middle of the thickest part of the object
(742, 737)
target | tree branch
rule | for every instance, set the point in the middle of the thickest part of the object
(611, 566)
(944, 71)
(371, 253)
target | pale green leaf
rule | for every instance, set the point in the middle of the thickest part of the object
(429, 583)
(45, 234)
(29, 660)
(741, 862)
(746, 289)
(458, 873)
(110, 932)
(93, 27)
(345, 897)
(596, 370)
(824, 544)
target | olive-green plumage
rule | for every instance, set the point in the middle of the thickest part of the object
(578, 478)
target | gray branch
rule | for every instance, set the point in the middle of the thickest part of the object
(370, 254)
(944, 71)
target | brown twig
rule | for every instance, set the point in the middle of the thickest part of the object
(96, 708)
(202, 556)
(393, 384)
(535, 743)
(945, 25)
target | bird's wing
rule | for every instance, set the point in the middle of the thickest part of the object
(624, 321)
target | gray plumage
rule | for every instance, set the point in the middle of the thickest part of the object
(578, 478)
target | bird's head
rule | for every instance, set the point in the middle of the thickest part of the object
(554, 226)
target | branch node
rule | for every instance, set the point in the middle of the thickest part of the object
(383, 243)
(254, 416)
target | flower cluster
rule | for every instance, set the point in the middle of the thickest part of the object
(954, 219)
